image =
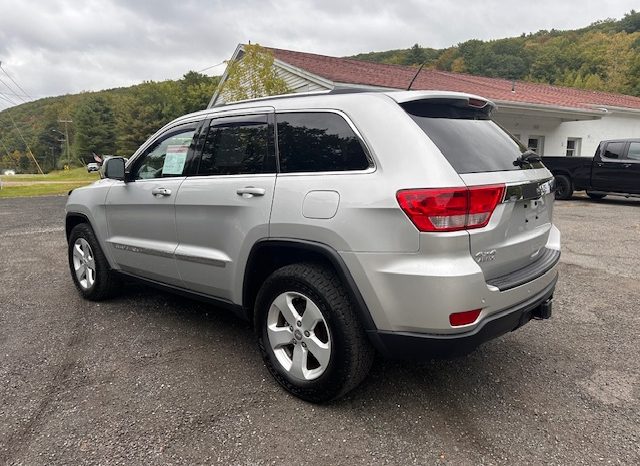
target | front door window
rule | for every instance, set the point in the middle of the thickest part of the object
(165, 157)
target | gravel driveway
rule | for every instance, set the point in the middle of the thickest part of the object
(151, 378)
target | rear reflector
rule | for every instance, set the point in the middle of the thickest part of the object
(450, 209)
(464, 318)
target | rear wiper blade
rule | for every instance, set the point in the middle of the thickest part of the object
(527, 157)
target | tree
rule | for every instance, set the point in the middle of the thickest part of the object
(142, 112)
(197, 90)
(252, 75)
(49, 145)
(415, 56)
(95, 128)
(630, 22)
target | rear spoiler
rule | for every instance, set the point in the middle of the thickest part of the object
(459, 98)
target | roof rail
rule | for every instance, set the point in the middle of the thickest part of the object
(336, 90)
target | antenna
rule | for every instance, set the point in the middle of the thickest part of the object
(414, 78)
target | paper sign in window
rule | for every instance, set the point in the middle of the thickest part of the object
(174, 160)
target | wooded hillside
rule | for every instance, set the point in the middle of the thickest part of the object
(603, 56)
(114, 121)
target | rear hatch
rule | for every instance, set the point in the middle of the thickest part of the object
(485, 154)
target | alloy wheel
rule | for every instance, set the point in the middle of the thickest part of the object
(299, 336)
(84, 263)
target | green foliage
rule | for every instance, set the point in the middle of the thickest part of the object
(416, 55)
(252, 76)
(631, 22)
(114, 121)
(603, 56)
(95, 128)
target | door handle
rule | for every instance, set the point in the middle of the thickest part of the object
(627, 165)
(600, 164)
(250, 191)
(161, 192)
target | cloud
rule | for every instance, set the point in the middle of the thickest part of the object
(61, 46)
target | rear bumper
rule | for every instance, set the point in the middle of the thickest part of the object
(417, 292)
(420, 346)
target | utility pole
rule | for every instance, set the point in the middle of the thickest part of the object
(66, 136)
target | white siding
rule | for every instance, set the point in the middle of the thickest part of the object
(297, 83)
(556, 132)
(593, 131)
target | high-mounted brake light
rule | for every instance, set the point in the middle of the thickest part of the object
(477, 103)
(450, 209)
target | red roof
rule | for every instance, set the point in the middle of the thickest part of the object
(350, 71)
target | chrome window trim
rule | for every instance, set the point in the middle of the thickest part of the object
(157, 135)
(367, 149)
(266, 111)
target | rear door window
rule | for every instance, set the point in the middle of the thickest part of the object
(238, 146)
(318, 142)
(467, 137)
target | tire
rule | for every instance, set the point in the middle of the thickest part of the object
(596, 196)
(89, 268)
(564, 187)
(341, 356)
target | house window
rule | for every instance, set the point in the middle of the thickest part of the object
(536, 144)
(573, 147)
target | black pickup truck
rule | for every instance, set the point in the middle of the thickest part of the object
(615, 169)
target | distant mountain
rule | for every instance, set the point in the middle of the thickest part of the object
(603, 56)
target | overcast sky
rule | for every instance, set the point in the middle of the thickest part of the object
(53, 47)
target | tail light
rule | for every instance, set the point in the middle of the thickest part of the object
(450, 209)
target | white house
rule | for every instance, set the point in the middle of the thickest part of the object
(552, 120)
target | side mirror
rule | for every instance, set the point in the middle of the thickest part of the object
(114, 168)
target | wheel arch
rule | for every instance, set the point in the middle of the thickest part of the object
(74, 219)
(270, 254)
(563, 172)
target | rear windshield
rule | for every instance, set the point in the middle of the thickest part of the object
(467, 137)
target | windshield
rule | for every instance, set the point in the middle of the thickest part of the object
(467, 137)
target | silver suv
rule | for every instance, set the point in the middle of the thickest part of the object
(338, 224)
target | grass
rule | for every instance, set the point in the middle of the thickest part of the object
(75, 174)
(54, 183)
(39, 189)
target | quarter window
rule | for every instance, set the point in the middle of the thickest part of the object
(167, 156)
(318, 142)
(614, 150)
(237, 145)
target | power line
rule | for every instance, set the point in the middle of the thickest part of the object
(14, 82)
(11, 90)
(212, 66)
(5, 148)
(25, 143)
(10, 93)
(22, 137)
(4, 97)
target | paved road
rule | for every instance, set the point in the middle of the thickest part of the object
(150, 378)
